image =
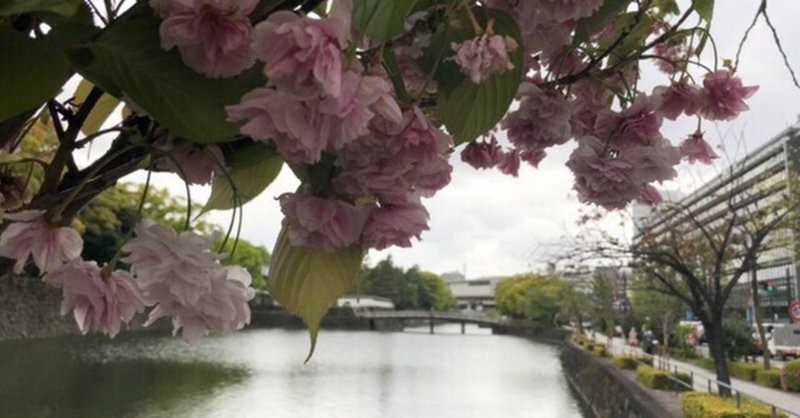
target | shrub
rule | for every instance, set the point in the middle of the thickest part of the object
(769, 378)
(627, 362)
(704, 405)
(589, 345)
(791, 376)
(659, 379)
(746, 371)
(600, 350)
(703, 362)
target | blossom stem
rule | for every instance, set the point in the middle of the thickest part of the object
(112, 264)
(475, 25)
(54, 215)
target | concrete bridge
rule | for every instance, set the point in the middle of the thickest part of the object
(432, 317)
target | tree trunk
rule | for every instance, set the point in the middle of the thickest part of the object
(716, 348)
(762, 336)
(665, 333)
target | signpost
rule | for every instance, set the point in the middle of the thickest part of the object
(794, 311)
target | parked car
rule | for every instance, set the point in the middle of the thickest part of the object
(784, 341)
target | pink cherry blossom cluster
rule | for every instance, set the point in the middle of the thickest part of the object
(175, 273)
(320, 101)
(386, 173)
(621, 152)
(182, 278)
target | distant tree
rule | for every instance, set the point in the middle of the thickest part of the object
(536, 298)
(602, 302)
(408, 289)
(574, 306)
(434, 293)
(661, 312)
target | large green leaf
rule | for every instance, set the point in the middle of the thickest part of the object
(31, 72)
(128, 62)
(306, 282)
(704, 8)
(251, 168)
(62, 7)
(380, 19)
(469, 110)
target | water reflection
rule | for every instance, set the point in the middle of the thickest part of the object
(260, 373)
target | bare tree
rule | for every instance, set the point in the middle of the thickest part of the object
(699, 250)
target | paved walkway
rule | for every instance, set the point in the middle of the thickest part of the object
(789, 402)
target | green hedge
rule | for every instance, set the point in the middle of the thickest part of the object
(703, 362)
(745, 371)
(704, 405)
(769, 378)
(659, 379)
(791, 376)
(600, 350)
(630, 362)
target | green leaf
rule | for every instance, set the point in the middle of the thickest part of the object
(62, 7)
(306, 281)
(101, 110)
(704, 8)
(380, 19)
(588, 26)
(31, 72)
(128, 62)
(469, 110)
(251, 168)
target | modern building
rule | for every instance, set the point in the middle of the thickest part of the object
(475, 293)
(760, 178)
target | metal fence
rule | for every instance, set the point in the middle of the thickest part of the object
(711, 384)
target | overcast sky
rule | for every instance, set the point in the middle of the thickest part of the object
(491, 224)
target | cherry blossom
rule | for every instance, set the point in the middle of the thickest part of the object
(723, 95)
(395, 225)
(30, 235)
(97, 303)
(320, 223)
(600, 178)
(695, 148)
(678, 98)
(510, 162)
(170, 266)
(302, 55)
(542, 120)
(649, 195)
(222, 308)
(482, 154)
(213, 36)
(485, 55)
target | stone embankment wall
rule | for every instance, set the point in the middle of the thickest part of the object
(30, 309)
(606, 391)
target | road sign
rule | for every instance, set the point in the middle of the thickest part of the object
(794, 311)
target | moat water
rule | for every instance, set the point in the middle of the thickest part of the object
(260, 373)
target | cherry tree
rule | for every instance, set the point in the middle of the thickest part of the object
(364, 101)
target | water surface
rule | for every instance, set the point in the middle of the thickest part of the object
(260, 373)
